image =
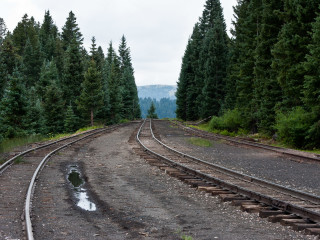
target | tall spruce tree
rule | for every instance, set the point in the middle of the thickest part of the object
(71, 32)
(34, 120)
(186, 74)
(49, 74)
(26, 29)
(215, 68)
(114, 83)
(72, 73)
(247, 28)
(267, 92)
(152, 112)
(131, 108)
(8, 61)
(91, 98)
(32, 62)
(13, 107)
(54, 109)
(3, 30)
(290, 50)
(48, 35)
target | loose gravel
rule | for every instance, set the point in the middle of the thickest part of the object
(249, 160)
(135, 200)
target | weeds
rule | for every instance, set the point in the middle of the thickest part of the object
(19, 160)
(200, 142)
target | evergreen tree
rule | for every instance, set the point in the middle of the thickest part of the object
(26, 29)
(215, 72)
(49, 74)
(131, 108)
(186, 74)
(13, 107)
(290, 50)
(8, 61)
(91, 98)
(267, 92)
(70, 121)
(53, 106)
(3, 30)
(71, 32)
(246, 31)
(152, 112)
(32, 62)
(34, 120)
(48, 35)
(72, 73)
(311, 85)
(114, 83)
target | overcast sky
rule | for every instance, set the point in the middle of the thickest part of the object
(157, 31)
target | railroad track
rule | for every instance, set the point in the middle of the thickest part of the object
(291, 207)
(315, 158)
(18, 177)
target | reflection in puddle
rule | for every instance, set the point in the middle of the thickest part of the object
(80, 193)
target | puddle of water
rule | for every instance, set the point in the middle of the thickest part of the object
(80, 193)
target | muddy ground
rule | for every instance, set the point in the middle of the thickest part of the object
(134, 200)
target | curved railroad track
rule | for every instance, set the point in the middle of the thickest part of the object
(18, 177)
(291, 207)
(315, 158)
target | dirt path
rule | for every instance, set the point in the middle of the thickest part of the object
(134, 200)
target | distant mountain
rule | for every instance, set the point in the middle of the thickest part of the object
(157, 91)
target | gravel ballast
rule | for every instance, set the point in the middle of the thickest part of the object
(134, 200)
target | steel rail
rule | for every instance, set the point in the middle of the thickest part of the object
(30, 191)
(283, 151)
(8, 162)
(315, 216)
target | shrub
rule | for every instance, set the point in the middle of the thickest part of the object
(230, 121)
(313, 136)
(293, 127)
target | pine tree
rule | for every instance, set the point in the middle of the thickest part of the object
(152, 112)
(114, 83)
(215, 72)
(91, 98)
(54, 107)
(131, 108)
(48, 35)
(3, 30)
(13, 107)
(32, 62)
(26, 29)
(72, 74)
(71, 32)
(8, 61)
(49, 74)
(290, 50)
(247, 29)
(195, 82)
(34, 120)
(267, 92)
(186, 74)
(70, 121)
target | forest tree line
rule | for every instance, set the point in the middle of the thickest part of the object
(265, 78)
(49, 83)
(164, 108)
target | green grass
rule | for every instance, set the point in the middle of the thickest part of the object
(200, 142)
(19, 160)
(8, 144)
(264, 138)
